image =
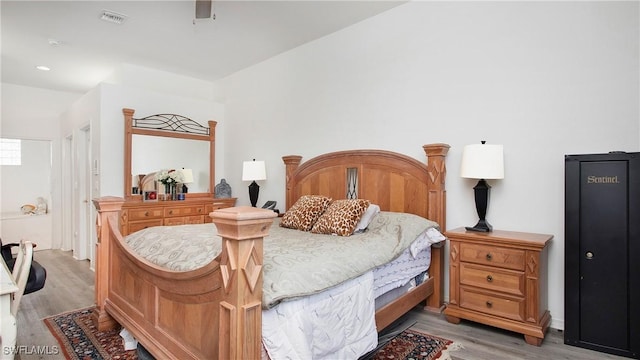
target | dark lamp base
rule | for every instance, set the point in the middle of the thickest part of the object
(481, 194)
(481, 226)
(254, 189)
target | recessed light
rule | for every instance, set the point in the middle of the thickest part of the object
(43, 68)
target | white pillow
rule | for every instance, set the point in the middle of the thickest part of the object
(366, 218)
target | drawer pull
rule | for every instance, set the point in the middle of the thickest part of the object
(489, 278)
(489, 304)
(199, 210)
(170, 212)
(146, 213)
(489, 256)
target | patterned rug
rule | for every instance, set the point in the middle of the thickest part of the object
(411, 344)
(80, 340)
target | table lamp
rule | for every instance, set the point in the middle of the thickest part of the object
(252, 171)
(187, 176)
(482, 161)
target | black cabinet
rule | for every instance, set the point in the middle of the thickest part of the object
(602, 252)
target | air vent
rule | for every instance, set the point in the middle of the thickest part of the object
(111, 16)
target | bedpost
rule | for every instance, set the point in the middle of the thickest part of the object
(108, 211)
(240, 328)
(437, 172)
(292, 162)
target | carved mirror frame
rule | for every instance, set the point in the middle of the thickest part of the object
(171, 126)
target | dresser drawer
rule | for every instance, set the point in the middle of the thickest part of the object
(171, 221)
(221, 204)
(510, 307)
(492, 256)
(139, 225)
(199, 219)
(217, 205)
(492, 278)
(183, 211)
(145, 213)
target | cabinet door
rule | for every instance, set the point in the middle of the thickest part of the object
(601, 296)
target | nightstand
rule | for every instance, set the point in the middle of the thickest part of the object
(499, 278)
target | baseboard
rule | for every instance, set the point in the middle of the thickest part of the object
(557, 324)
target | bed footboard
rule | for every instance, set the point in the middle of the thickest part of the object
(208, 313)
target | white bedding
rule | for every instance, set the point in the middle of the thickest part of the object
(339, 323)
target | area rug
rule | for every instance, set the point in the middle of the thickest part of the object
(411, 344)
(79, 339)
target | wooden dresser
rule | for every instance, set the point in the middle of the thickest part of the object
(138, 215)
(499, 279)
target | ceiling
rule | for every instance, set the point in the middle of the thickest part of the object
(163, 35)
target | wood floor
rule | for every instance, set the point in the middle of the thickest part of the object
(69, 287)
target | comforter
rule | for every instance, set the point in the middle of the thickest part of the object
(296, 263)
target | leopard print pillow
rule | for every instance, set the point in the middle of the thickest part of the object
(304, 213)
(341, 217)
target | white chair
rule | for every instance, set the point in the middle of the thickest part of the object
(14, 289)
(21, 272)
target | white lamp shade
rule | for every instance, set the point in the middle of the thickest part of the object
(253, 170)
(482, 161)
(187, 175)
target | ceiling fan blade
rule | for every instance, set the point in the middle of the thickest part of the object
(203, 9)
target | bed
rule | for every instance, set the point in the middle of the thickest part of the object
(216, 310)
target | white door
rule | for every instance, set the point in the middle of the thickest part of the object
(88, 231)
(82, 248)
(67, 194)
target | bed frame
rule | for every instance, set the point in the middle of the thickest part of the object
(215, 311)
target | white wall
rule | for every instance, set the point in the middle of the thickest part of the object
(545, 79)
(33, 113)
(148, 92)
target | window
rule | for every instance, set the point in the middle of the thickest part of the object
(10, 152)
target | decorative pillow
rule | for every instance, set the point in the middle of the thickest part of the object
(341, 217)
(304, 213)
(366, 218)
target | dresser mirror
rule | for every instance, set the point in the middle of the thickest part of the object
(168, 142)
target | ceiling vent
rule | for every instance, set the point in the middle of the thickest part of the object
(113, 17)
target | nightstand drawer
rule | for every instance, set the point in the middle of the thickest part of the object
(510, 307)
(183, 211)
(143, 214)
(492, 278)
(492, 256)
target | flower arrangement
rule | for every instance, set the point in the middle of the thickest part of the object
(170, 177)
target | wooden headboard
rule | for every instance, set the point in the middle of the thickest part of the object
(394, 181)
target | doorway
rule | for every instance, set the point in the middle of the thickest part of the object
(81, 171)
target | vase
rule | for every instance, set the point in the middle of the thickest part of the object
(169, 191)
(174, 195)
